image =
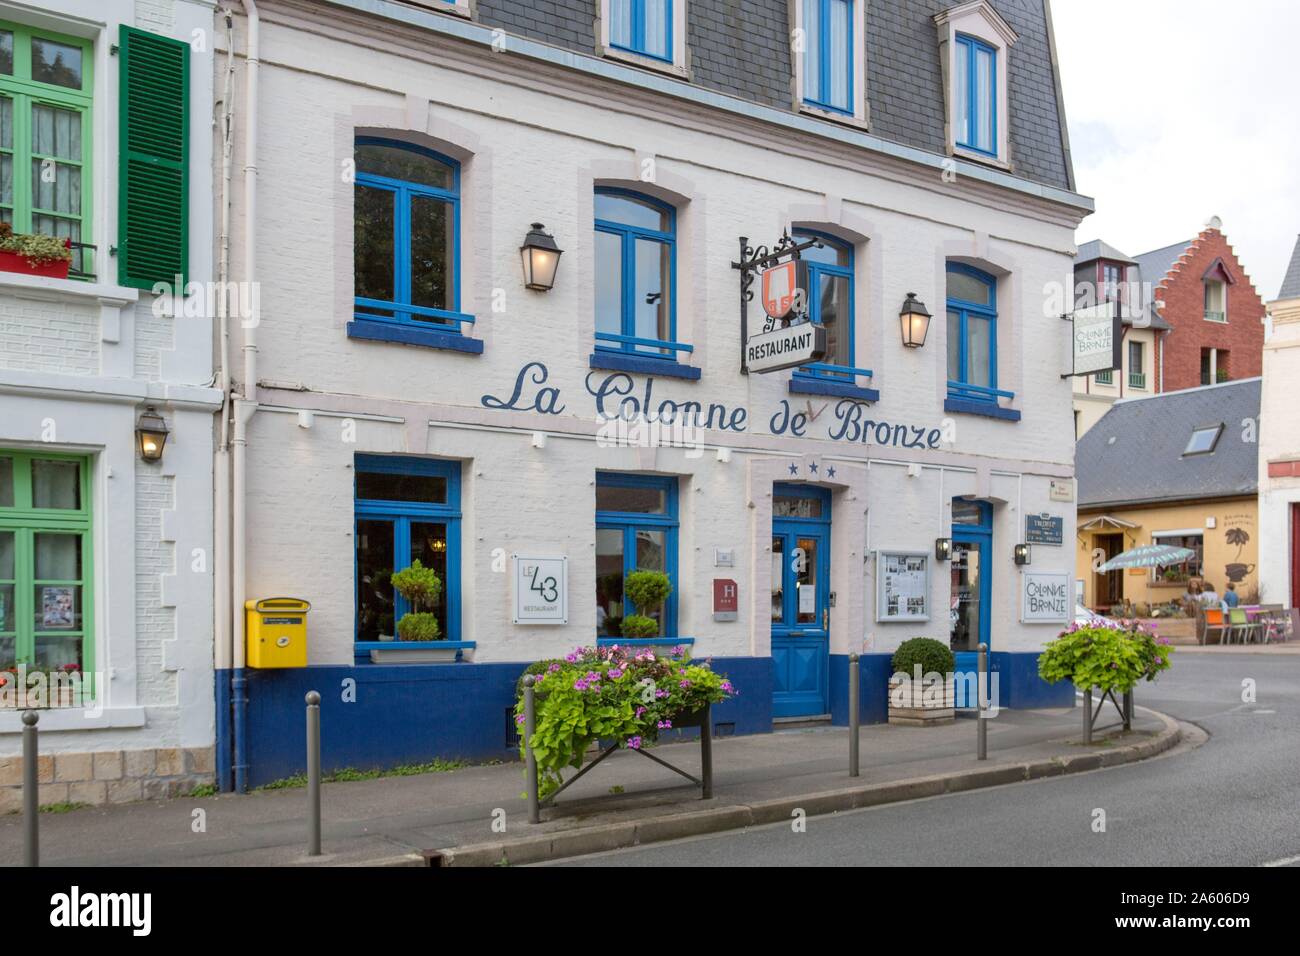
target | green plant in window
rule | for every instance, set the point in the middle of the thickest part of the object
(647, 590)
(422, 587)
(36, 249)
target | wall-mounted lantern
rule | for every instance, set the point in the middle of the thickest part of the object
(1022, 554)
(915, 321)
(942, 549)
(541, 258)
(151, 434)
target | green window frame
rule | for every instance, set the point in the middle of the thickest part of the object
(26, 525)
(24, 197)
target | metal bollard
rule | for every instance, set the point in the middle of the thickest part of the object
(313, 773)
(1087, 716)
(706, 753)
(530, 761)
(31, 792)
(982, 698)
(1128, 709)
(855, 717)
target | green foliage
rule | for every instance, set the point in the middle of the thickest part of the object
(36, 249)
(607, 694)
(419, 627)
(63, 806)
(933, 656)
(638, 625)
(1109, 658)
(202, 790)
(419, 585)
(647, 590)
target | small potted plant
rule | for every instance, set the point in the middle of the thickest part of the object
(921, 690)
(647, 591)
(418, 630)
(34, 254)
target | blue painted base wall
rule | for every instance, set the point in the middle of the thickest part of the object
(1018, 685)
(413, 713)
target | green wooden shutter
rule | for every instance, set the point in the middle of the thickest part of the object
(153, 200)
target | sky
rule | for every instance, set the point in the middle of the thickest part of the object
(1180, 110)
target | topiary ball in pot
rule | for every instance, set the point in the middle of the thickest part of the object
(638, 625)
(933, 656)
(419, 626)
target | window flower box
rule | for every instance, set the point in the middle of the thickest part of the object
(34, 255)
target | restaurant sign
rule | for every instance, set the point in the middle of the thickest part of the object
(1097, 339)
(786, 347)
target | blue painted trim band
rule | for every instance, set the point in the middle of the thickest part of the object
(807, 386)
(224, 741)
(987, 409)
(644, 641)
(405, 335)
(647, 366)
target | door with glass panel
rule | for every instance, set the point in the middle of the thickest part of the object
(46, 578)
(800, 608)
(972, 537)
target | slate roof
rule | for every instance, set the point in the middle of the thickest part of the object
(1134, 455)
(742, 48)
(1099, 249)
(1155, 265)
(1291, 284)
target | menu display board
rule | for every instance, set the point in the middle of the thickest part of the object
(902, 586)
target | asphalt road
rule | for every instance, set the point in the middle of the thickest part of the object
(1232, 800)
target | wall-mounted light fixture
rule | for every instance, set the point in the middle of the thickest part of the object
(541, 257)
(151, 434)
(915, 321)
(1022, 554)
(942, 549)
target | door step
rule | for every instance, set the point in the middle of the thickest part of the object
(801, 723)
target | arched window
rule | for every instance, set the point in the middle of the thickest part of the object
(636, 274)
(972, 334)
(406, 235)
(826, 275)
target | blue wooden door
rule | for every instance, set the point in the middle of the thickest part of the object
(800, 601)
(972, 541)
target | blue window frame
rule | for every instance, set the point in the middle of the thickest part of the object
(405, 508)
(973, 336)
(642, 26)
(828, 55)
(976, 95)
(406, 238)
(636, 275)
(636, 529)
(826, 275)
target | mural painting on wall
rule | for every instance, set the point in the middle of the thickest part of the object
(1237, 535)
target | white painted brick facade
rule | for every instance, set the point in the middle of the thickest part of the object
(155, 624)
(534, 152)
(49, 337)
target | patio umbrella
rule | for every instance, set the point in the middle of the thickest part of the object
(1148, 556)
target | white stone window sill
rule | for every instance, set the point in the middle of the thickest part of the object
(68, 290)
(445, 6)
(675, 70)
(958, 153)
(74, 718)
(856, 122)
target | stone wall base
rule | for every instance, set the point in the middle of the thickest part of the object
(108, 776)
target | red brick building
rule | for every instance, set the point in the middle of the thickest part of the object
(1215, 316)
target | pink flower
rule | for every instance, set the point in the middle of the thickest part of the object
(519, 718)
(640, 711)
(634, 742)
(726, 687)
(665, 725)
(615, 673)
(684, 683)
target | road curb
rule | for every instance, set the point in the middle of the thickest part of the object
(620, 835)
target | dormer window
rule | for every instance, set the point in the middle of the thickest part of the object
(649, 33)
(974, 43)
(1216, 301)
(829, 50)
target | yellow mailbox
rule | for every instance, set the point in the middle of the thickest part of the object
(277, 632)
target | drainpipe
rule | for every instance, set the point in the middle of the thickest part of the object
(221, 471)
(245, 408)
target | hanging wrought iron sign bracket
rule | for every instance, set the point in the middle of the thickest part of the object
(754, 260)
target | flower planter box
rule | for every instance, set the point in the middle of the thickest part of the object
(913, 704)
(415, 652)
(13, 262)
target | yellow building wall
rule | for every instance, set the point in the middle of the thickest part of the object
(1230, 548)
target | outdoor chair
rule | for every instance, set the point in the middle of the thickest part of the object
(1214, 622)
(1239, 625)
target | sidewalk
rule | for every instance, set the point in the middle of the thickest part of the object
(757, 779)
